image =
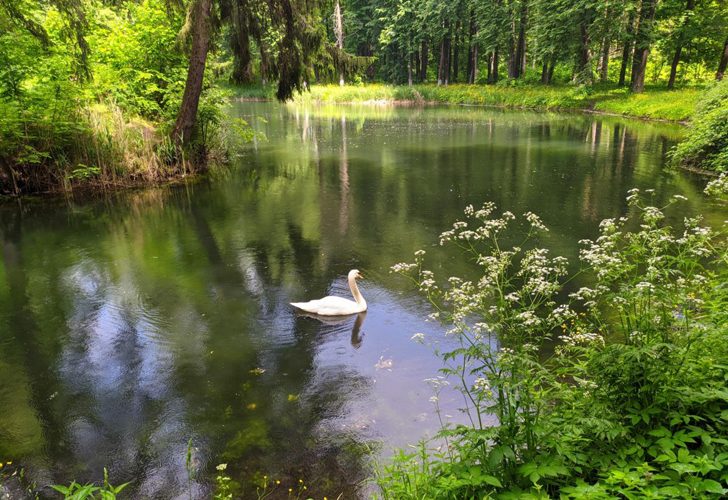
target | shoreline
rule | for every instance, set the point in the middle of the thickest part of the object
(655, 104)
(411, 103)
(105, 187)
(538, 99)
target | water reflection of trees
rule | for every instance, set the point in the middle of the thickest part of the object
(161, 318)
(417, 169)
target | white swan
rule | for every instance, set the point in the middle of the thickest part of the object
(337, 306)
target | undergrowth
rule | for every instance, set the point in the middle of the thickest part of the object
(617, 390)
(706, 146)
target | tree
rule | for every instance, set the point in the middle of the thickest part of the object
(200, 26)
(627, 45)
(643, 40)
(681, 37)
(301, 38)
(723, 62)
(339, 33)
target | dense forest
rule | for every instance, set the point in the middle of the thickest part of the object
(571, 40)
(118, 92)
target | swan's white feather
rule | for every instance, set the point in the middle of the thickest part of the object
(330, 306)
(336, 306)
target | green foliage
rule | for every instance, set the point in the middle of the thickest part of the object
(75, 491)
(706, 146)
(654, 103)
(571, 36)
(58, 130)
(138, 64)
(223, 484)
(632, 401)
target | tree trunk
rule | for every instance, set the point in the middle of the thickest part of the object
(642, 44)
(339, 33)
(723, 62)
(545, 73)
(472, 49)
(521, 44)
(512, 57)
(473, 76)
(680, 41)
(584, 71)
(448, 66)
(185, 124)
(455, 58)
(604, 69)
(240, 45)
(673, 66)
(423, 61)
(496, 62)
(409, 69)
(443, 73)
(626, 50)
(552, 66)
(442, 63)
(469, 64)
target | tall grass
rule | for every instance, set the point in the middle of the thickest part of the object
(94, 146)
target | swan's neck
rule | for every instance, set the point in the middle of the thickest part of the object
(356, 293)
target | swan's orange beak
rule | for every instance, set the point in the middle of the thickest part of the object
(359, 276)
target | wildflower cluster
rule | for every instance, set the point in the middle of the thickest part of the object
(515, 294)
(718, 187)
(631, 401)
(267, 487)
(654, 280)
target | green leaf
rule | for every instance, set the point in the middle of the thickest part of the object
(61, 489)
(712, 486)
(491, 480)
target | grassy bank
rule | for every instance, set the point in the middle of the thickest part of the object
(655, 103)
(92, 146)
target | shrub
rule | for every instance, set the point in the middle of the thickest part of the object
(631, 402)
(706, 145)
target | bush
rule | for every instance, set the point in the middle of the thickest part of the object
(706, 145)
(58, 130)
(631, 402)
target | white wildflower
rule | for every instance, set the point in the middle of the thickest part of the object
(535, 221)
(481, 384)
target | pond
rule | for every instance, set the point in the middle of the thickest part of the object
(150, 332)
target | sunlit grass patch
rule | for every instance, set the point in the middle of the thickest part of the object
(655, 103)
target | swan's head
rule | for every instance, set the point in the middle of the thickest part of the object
(355, 274)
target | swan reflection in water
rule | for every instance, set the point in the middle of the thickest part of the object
(357, 336)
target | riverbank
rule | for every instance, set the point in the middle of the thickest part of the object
(653, 104)
(98, 147)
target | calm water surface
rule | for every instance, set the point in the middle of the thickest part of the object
(139, 326)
